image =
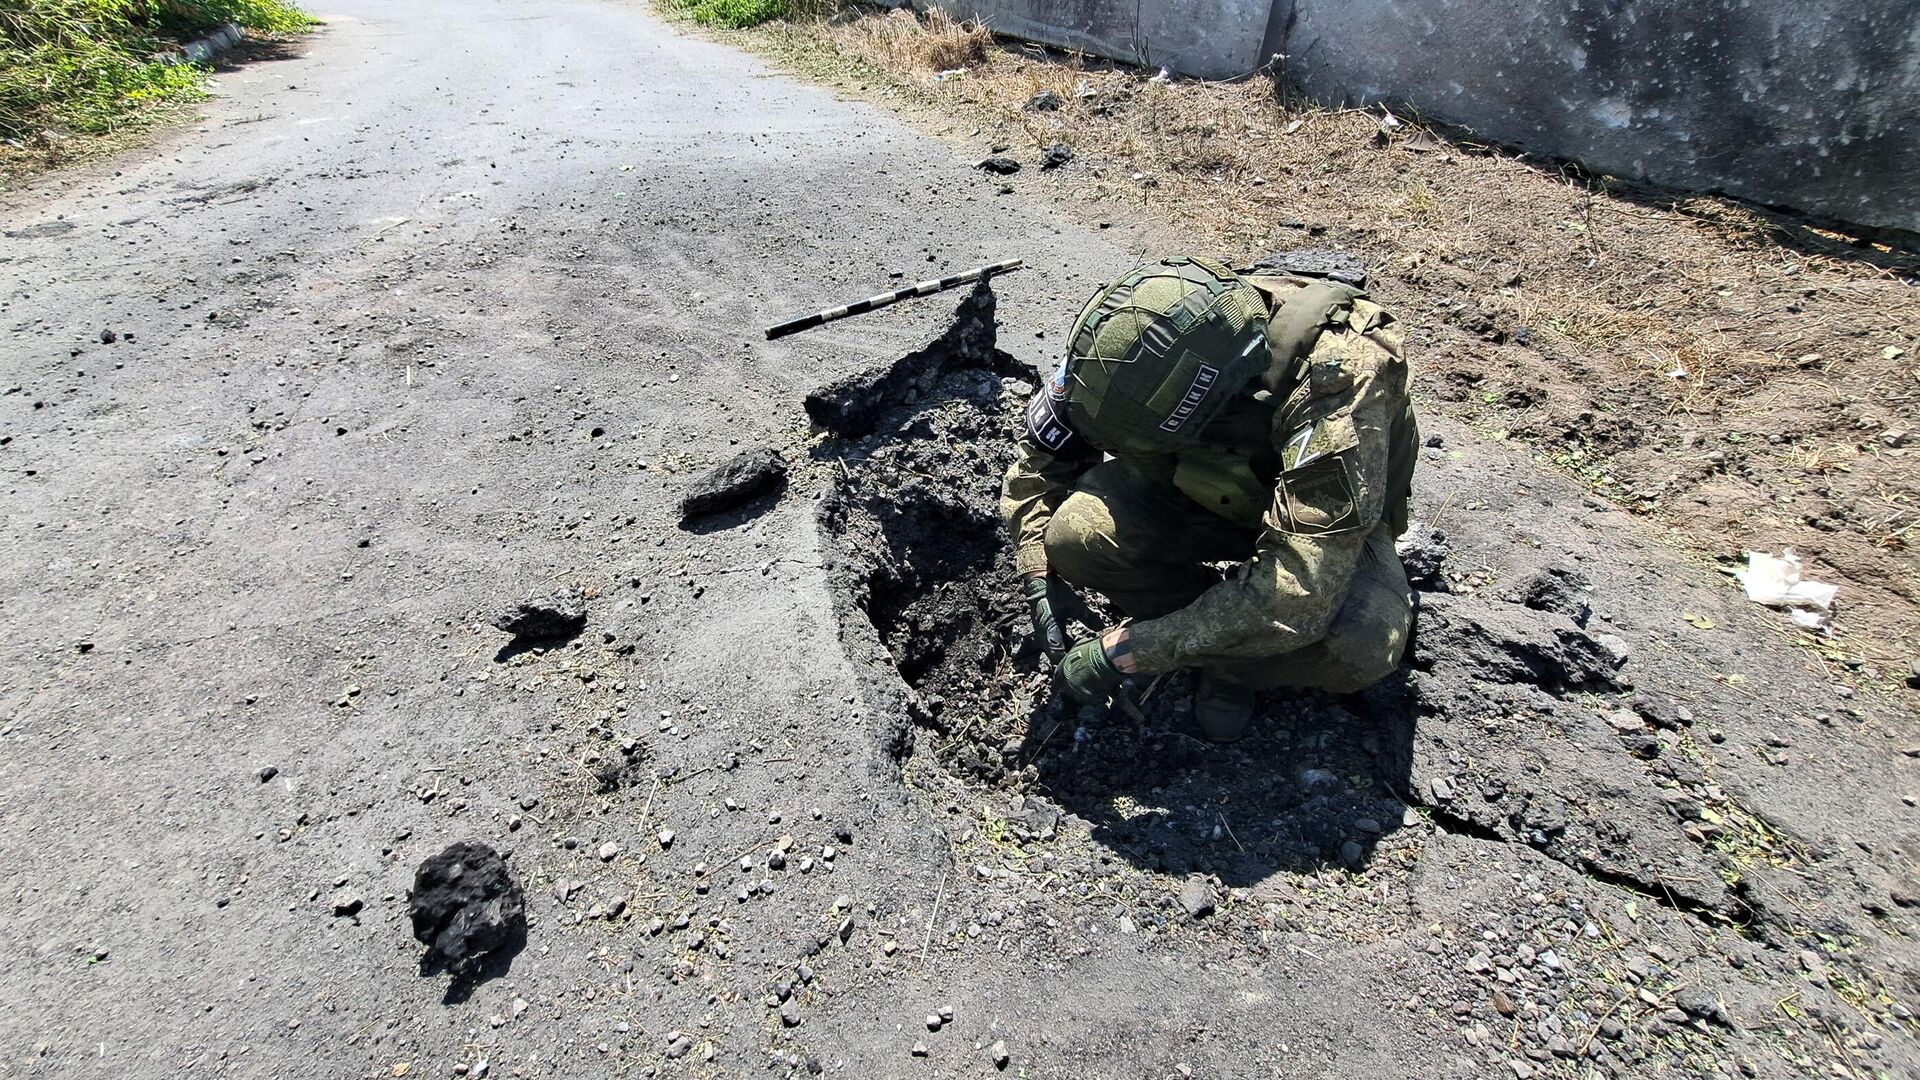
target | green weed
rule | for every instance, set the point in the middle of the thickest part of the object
(87, 67)
(734, 14)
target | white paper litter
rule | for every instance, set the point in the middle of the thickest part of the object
(1776, 582)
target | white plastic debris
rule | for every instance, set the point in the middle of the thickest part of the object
(1776, 582)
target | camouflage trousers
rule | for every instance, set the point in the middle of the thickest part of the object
(1146, 546)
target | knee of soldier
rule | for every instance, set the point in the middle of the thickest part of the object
(1080, 542)
(1356, 672)
(1367, 643)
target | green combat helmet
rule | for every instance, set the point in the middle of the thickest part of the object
(1156, 354)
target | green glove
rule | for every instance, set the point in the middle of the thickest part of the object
(1086, 674)
(1046, 601)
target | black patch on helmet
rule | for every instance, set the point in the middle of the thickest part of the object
(1203, 383)
(1048, 427)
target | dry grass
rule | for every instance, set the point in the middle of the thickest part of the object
(1740, 366)
(900, 41)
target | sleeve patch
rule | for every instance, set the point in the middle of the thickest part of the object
(1319, 491)
(1319, 497)
(1318, 439)
(1047, 424)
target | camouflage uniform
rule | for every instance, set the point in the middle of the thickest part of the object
(1303, 487)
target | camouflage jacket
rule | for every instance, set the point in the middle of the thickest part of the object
(1315, 464)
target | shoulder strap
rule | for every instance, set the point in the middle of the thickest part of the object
(1301, 308)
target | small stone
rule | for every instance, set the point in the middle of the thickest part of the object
(789, 1016)
(1503, 1004)
(1043, 101)
(1442, 789)
(1055, 155)
(919, 1049)
(608, 851)
(1196, 896)
(1317, 780)
(999, 165)
(678, 1046)
(1615, 647)
(1625, 720)
(933, 1021)
(266, 773)
(347, 903)
(844, 834)
(998, 1053)
(946, 1013)
(776, 860)
(665, 836)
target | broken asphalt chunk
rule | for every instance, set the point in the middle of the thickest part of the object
(554, 615)
(746, 476)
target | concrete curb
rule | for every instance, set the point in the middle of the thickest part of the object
(203, 50)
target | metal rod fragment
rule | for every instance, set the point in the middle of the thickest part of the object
(861, 307)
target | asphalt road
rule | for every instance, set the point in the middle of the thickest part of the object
(440, 307)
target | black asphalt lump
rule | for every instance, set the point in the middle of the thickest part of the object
(466, 907)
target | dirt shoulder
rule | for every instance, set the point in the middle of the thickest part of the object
(1740, 379)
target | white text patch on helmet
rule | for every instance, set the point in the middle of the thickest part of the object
(1203, 381)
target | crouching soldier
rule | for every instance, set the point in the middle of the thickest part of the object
(1205, 417)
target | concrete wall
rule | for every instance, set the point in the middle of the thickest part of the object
(1812, 104)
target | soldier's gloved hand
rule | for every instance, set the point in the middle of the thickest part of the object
(1087, 675)
(1048, 600)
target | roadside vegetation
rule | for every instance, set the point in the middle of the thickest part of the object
(741, 14)
(72, 71)
(1744, 378)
